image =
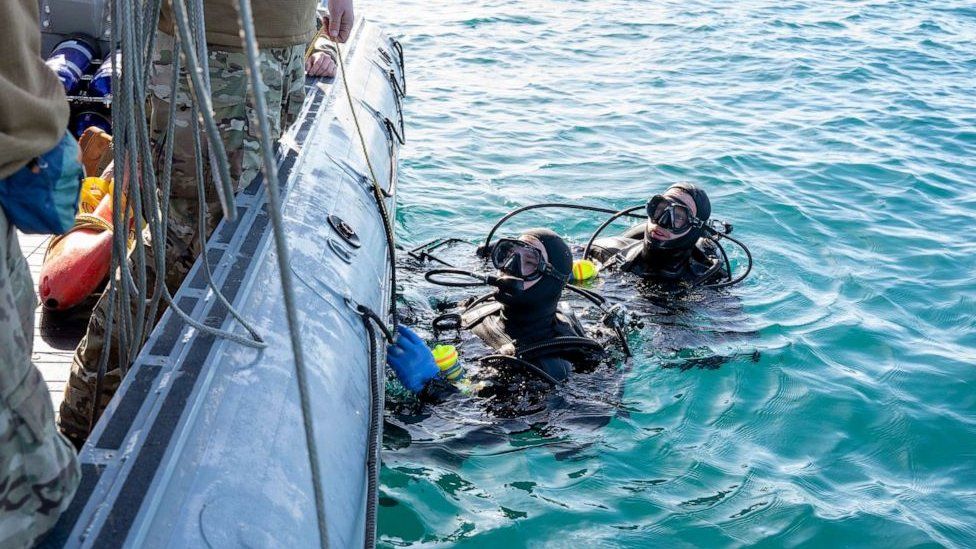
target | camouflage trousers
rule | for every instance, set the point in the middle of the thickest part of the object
(283, 74)
(38, 468)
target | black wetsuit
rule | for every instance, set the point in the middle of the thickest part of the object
(536, 338)
(532, 352)
(699, 263)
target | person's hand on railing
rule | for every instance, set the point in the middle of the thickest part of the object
(320, 64)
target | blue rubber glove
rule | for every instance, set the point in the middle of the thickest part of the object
(411, 360)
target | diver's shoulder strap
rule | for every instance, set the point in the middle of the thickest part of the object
(705, 257)
(482, 319)
(630, 258)
(606, 249)
(567, 320)
(706, 247)
(474, 314)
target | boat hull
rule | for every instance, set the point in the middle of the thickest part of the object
(203, 444)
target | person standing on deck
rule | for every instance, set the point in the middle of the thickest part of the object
(284, 30)
(40, 176)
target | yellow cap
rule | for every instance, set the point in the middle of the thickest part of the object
(584, 269)
(445, 356)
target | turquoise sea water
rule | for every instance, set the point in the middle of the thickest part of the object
(840, 140)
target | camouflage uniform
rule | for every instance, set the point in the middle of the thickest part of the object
(38, 468)
(283, 73)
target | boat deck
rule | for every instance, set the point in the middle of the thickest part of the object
(55, 334)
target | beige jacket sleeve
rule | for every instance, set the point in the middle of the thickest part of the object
(33, 109)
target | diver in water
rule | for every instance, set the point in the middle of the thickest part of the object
(674, 247)
(523, 322)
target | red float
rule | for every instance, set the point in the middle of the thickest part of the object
(77, 263)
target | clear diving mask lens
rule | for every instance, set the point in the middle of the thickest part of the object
(521, 260)
(671, 215)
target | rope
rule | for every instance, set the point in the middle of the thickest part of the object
(159, 220)
(134, 95)
(312, 46)
(119, 258)
(200, 89)
(377, 191)
(371, 315)
(205, 253)
(485, 250)
(376, 411)
(82, 221)
(132, 143)
(249, 43)
(373, 441)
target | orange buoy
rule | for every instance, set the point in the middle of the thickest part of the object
(77, 262)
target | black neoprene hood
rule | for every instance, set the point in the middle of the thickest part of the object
(544, 294)
(703, 210)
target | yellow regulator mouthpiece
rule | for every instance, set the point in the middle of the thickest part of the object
(446, 357)
(584, 269)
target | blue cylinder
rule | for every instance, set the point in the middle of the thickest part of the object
(70, 60)
(86, 119)
(101, 84)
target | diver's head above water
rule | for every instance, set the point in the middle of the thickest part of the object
(533, 270)
(675, 219)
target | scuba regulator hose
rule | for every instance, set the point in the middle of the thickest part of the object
(439, 277)
(715, 236)
(605, 224)
(485, 248)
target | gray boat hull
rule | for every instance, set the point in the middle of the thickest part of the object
(203, 444)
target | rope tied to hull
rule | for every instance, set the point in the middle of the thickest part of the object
(378, 192)
(377, 392)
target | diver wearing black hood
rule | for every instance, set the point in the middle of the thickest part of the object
(671, 247)
(522, 320)
(526, 313)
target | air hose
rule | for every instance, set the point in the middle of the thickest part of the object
(483, 250)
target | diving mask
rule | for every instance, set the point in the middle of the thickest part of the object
(522, 260)
(670, 214)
